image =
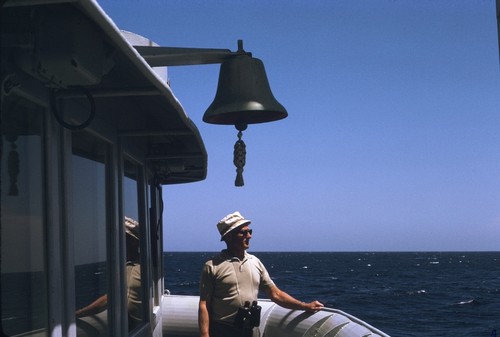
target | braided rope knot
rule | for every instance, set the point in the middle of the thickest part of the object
(239, 159)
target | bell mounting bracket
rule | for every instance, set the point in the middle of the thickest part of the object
(178, 56)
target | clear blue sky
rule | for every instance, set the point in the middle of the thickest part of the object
(393, 137)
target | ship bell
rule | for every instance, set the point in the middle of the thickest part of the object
(243, 95)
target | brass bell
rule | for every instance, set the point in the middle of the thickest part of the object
(243, 95)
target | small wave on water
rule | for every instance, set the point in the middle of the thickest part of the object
(471, 301)
(416, 292)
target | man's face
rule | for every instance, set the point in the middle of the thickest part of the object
(240, 237)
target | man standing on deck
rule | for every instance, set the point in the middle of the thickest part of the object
(230, 284)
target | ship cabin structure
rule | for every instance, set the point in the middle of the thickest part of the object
(89, 135)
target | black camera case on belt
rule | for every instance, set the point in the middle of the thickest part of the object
(248, 316)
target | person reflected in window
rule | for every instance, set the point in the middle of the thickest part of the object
(133, 274)
(134, 288)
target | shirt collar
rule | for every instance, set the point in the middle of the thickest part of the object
(229, 257)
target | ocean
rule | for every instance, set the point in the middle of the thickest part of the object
(410, 294)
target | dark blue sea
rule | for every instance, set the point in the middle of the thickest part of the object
(448, 294)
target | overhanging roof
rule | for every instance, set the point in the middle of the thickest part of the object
(129, 95)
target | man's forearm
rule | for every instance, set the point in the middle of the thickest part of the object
(203, 320)
(95, 307)
(287, 301)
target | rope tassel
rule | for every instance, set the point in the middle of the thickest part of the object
(239, 159)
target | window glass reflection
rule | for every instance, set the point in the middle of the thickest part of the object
(133, 274)
(132, 234)
(88, 221)
(22, 229)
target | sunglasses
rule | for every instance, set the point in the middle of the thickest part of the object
(245, 232)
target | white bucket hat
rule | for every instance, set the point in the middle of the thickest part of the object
(132, 228)
(230, 222)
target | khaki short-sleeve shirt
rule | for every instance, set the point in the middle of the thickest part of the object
(228, 282)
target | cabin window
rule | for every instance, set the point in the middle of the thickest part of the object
(22, 222)
(88, 219)
(133, 239)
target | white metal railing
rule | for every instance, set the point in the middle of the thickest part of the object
(180, 318)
